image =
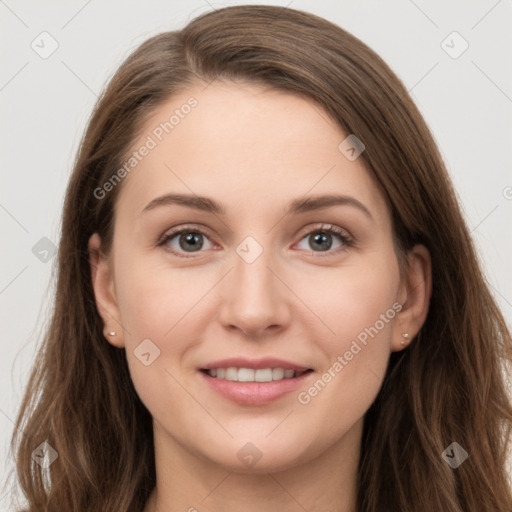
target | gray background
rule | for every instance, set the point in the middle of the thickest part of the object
(45, 103)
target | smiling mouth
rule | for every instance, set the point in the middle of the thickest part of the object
(253, 375)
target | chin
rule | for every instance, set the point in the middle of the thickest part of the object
(258, 458)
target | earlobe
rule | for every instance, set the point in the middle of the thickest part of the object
(414, 296)
(102, 280)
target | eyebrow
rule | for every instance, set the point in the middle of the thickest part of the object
(302, 205)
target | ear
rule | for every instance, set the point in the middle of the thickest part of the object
(102, 277)
(414, 296)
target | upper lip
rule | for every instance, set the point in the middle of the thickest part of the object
(256, 364)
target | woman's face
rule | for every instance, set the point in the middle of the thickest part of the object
(255, 287)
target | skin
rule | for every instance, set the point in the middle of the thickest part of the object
(253, 150)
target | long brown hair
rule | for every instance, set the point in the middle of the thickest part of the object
(446, 387)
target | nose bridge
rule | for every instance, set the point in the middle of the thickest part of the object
(253, 299)
(252, 280)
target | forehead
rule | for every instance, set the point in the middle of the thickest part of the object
(245, 145)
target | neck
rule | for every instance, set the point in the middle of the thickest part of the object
(186, 482)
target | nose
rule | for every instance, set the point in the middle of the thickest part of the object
(255, 301)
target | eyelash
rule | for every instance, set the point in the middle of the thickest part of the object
(344, 236)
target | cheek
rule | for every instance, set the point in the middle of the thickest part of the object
(156, 303)
(357, 315)
(360, 309)
(153, 297)
(352, 298)
(166, 306)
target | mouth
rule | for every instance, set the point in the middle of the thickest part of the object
(254, 382)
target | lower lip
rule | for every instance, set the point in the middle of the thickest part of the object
(254, 393)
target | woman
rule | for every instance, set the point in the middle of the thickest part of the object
(267, 296)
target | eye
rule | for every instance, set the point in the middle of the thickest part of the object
(185, 240)
(321, 239)
(191, 239)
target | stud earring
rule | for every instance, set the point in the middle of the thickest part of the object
(112, 333)
(406, 336)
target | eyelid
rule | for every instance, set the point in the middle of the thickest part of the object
(326, 227)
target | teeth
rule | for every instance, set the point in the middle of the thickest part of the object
(277, 374)
(251, 375)
(244, 374)
(231, 374)
(263, 375)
